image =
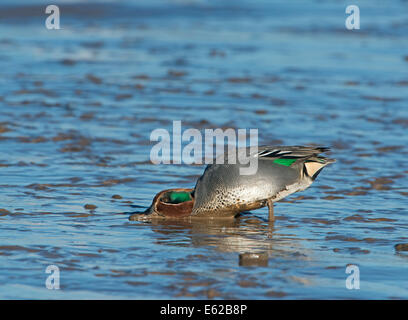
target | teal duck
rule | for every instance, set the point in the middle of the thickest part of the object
(223, 192)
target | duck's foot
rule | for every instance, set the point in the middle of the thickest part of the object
(270, 207)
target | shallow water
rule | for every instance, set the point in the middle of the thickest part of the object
(77, 107)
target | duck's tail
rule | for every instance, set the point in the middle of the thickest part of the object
(314, 164)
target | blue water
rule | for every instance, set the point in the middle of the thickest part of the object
(77, 106)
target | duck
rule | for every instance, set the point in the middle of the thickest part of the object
(223, 192)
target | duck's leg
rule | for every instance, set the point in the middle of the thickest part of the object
(270, 207)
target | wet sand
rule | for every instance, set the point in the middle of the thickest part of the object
(77, 107)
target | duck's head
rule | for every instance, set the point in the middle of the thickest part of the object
(170, 203)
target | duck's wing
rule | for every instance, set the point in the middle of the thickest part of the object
(285, 155)
(307, 159)
(288, 152)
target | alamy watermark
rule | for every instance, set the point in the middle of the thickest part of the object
(53, 20)
(353, 20)
(53, 280)
(169, 150)
(353, 280)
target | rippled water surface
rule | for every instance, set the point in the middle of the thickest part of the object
(77, 106)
